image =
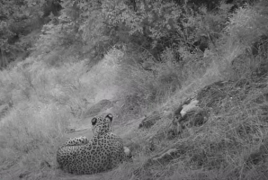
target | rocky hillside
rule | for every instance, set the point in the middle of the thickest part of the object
(218, 133)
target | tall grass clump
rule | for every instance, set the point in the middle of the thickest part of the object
(44, 102)
(244, 33)
(248, 23)
(243, 29)
(29, 137)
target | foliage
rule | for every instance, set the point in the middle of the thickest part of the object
(152, 25)
(96, 26)
(246, 20)
(18, 19)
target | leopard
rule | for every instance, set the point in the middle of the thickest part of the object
(103, 152)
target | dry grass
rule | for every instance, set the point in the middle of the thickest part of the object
(231, 145)
(45, 100)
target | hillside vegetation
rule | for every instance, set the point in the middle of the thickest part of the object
(186, 81)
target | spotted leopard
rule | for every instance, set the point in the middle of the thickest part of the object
(103, 152)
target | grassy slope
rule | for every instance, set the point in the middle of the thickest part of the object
(47, 101)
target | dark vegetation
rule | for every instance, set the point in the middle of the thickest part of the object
(97, 26)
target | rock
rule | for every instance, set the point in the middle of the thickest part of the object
(188, 114)
(149, 121)
(128, 154)
(192, 106)
(196, 117)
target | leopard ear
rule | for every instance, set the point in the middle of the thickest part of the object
(109, 116)
(94, 121)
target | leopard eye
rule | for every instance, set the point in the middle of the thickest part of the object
(109, 116)
(94, 121)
